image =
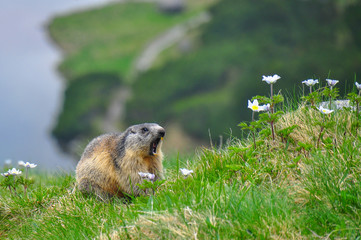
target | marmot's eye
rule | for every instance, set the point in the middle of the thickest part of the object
(145, 129)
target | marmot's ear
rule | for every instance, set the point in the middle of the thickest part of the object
(132, 131)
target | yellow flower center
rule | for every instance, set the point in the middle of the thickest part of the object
(254, 107)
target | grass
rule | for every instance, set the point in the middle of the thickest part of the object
(274, 191)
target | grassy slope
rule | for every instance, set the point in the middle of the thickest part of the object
(275, 191)
(109, 38)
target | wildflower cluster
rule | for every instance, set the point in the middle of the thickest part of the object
(13, 178)
(270, 117)
(266, 108)
(150, 183)
(314, 97)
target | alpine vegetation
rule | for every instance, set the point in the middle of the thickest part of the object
(295, 174)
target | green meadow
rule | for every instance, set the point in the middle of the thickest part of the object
(291, 169)
(303, 184)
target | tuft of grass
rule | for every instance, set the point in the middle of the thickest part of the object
(306, 118)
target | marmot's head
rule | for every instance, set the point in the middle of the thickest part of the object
(145, 138)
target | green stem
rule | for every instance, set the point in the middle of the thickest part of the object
(272, 110)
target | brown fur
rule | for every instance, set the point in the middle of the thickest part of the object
(110, 163)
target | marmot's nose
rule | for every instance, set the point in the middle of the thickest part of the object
(161, 132)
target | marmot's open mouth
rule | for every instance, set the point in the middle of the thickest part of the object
(154, 146)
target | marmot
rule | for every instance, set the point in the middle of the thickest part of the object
(111, 163)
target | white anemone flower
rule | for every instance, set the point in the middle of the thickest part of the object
(331, 82)
(325, 110)
(254, 106)
(310, 82)
(358, 85)
(270, 79)
(149, 176)
(14, 172)
(27, 164)
(185, 171)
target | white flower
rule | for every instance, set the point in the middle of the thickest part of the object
(7, 174)
(331, 82)
(310, 82)
(14, 172)
(148, 176)
(27, 164)
(270, 79)
(254, 106)
(266, 107)
(185, 171)
(324, 110)
(358, 85)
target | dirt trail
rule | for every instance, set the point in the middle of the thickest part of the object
(167, 39)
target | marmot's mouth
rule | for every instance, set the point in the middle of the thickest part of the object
(154, 146)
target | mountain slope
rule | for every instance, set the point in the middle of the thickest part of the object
(209, 87)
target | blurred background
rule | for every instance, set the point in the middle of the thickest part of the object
(31, 88)
(189, 65)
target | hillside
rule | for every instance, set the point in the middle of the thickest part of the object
(204, 89)
(101, 47)
(209, 87)
(305, 184)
